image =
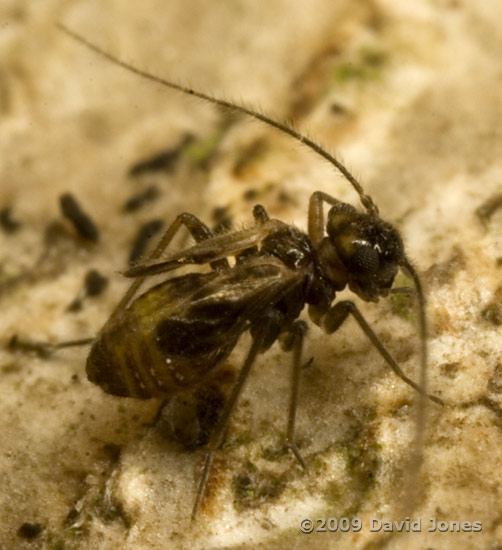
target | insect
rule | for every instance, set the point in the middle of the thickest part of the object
(174, 335)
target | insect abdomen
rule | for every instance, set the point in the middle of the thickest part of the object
(161, 354)
(128, 367)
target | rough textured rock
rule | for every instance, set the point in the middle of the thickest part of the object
(409, 95)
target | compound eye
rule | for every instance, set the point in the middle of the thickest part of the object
(366, 259)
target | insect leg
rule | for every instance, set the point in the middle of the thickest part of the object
(295, 343)
(212, 249)
(43, 349)
(405, 290)
(199, 232)
(260, 214)
(316, 215)
(337, 315)
(218, 434)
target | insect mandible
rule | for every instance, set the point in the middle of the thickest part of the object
(186, 326)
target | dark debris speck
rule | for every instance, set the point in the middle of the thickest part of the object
(145, 233)
(139, 200)
(161, 161)
(29, 530)
(81, 221)
(250, 195)
(95, 283)
(7, 222)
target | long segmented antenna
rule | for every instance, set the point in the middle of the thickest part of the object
(366, 200)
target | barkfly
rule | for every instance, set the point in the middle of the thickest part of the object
(174, 335)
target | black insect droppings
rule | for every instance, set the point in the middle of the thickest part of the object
(145, 233)
(81, 221)
(164, 161)
(29, 530)
(222, 221)
(141, 199)
(95, 283)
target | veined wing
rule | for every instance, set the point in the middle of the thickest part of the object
(209, 250)
(182, 328)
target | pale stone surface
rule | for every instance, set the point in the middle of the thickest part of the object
(410, 96)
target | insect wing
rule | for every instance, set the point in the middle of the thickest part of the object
(209, 250)
(184, 327)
